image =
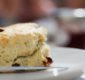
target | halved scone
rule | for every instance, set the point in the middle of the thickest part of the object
(24, 44)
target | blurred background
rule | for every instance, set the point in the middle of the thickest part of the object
(64, 19)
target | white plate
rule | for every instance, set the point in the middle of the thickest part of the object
(62, 57)
(68, 57)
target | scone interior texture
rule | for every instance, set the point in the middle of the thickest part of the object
(24, 44)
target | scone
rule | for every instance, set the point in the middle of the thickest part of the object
(24, 44)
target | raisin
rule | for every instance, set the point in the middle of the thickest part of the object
(1, 30)
(16, 64)
(49, 60)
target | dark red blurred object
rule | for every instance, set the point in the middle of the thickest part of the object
(77, 41)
